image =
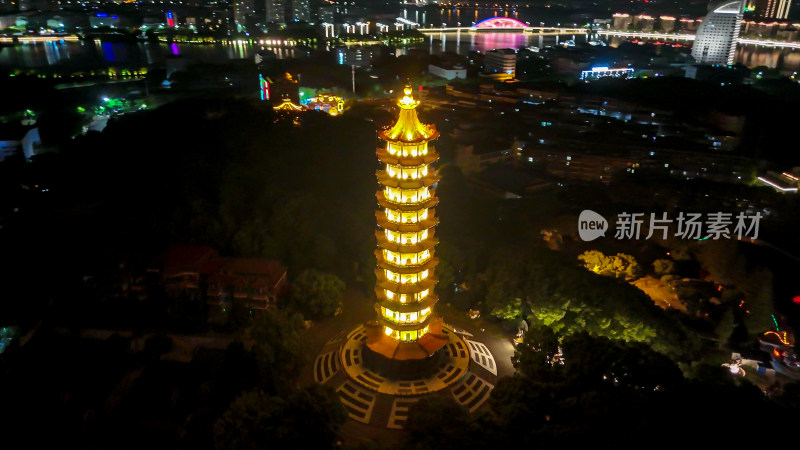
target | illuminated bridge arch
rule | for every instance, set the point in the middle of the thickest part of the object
(500, 22)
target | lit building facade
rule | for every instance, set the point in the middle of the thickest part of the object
(769, 9)
(301, 11)
(329, 103)
(276, 11)
(602, 72)
(503, 61)
(715, 42)
(622, 21)
(775, 9)
(407, 328)
(242, 9)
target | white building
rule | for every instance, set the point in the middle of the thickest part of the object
(716, 38)
(503, 60)
(451, 73)
(15, 138)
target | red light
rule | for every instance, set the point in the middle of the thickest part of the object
(420, 88)
(796, 300)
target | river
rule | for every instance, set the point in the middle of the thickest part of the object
(79, 55)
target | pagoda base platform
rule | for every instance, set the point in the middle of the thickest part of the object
(463, 368)
(402, 369)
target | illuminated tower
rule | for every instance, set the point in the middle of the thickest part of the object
(407, 330)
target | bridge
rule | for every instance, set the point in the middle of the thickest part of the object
(44, 38)
(645, 35)
(691, 37)
(503, 25)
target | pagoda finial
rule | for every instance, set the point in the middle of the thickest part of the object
(407, 102)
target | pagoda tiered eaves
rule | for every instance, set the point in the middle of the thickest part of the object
(406, 326)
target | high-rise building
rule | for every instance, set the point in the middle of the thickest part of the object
(327, 14)
(769, 9)
(666, 24)
(715, 42)
(622, 22)
(301, 11)
(242, 9)
(773, 9)
(407, 331)
(276, 11)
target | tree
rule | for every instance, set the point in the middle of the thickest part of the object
(256, 420)
(279, 348)
(535, 356)
(629, 268)
(509, 310)
(317, 293)
(758, 316)
(620, 266)
(437, 421)
(725, 327)
(663, 267)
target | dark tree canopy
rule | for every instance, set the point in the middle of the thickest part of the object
(307, 418)
(316, 293)
(280, 349)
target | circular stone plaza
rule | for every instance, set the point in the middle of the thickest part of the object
(383, 366)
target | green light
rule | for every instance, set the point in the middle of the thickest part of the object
(777, 328)
(702, 239)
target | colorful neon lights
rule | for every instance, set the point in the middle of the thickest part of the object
(783, 189)
(500, 22)
(170, 19)
(781, 337)
(263, 86)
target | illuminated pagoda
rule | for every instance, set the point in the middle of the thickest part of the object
(287, 105)
(407, 335)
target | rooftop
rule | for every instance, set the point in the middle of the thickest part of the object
(408, 128)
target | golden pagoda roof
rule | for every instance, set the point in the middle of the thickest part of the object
(287, 105)
(408, 128)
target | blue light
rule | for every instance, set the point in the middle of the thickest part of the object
(102, 15)
(114, 17)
